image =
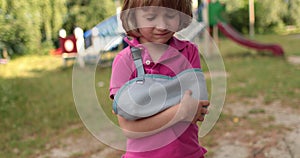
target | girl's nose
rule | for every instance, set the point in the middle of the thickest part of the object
(161, 24)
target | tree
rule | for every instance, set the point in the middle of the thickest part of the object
(267, 17)
(18, 27)
(270, 16)
(29, 26)
(53, 13)
(59, 11)
(87, 13)
(25, 25)
(237, 14)
(293, 14)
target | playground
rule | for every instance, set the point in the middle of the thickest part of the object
(259, 119)
(260, 116)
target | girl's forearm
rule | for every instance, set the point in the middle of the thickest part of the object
(189, 109)
(151, 125)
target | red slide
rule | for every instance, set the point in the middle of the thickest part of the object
(229, 32)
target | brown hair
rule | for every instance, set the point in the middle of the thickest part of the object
(127, 14)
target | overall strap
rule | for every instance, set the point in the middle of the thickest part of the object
(138, 62)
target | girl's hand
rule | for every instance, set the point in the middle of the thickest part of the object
(201, 111)
(192, 110)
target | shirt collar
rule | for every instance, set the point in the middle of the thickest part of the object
(174, 42)
(177, 44)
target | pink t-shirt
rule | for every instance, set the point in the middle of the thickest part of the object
(180, 140)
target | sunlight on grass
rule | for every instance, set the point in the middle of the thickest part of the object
(29, 66)
(36, 102)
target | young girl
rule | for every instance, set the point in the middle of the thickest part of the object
(173, 132)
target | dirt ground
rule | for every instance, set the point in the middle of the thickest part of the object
(294, 60)
(276, 134)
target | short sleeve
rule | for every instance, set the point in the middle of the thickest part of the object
(121, 72)
(194, 57)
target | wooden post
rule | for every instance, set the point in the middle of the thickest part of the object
(251, 18)
(205, 12)
(216, 34)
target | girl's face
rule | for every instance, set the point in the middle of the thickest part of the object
(157, 24)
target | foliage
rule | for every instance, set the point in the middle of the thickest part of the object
(269, 18)
(26, 26)
(87, 13)
(17, 25)
(237, 14)
(293, 15)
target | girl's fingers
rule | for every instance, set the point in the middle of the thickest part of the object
(204, 103)
(188, 92)
(204, 111)
(200, 115)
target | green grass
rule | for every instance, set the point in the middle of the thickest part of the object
(103, 75)
(36, 102)
(260, 73)
(252, 75)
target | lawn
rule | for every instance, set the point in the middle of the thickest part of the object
(253, 74)
(37, 106)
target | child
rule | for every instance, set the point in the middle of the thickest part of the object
(173, 132)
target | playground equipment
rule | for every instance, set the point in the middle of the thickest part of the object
(214, 9)
(101, 40)
(89, 46)
(229, 32)
(97, 43)
(68, 46)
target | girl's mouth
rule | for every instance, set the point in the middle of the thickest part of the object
(162, 34)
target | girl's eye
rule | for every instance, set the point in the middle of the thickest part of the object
(150, 18)
(171, 16)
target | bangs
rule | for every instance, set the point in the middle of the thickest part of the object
(180, 5)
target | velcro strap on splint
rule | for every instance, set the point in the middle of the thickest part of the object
(137, 57)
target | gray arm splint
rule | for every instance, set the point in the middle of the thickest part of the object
(149, 94)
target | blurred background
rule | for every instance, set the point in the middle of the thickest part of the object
(38, 117)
